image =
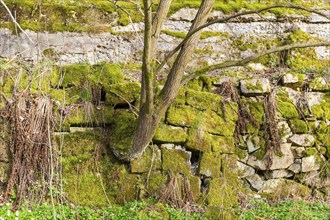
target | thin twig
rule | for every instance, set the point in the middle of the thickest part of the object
(246, 60)
(225, 19)
(15, 22)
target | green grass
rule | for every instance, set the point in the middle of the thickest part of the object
(255, 209)
(286, 210)
(132, 210)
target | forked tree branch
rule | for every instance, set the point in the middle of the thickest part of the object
(226, 19)
(251, 58)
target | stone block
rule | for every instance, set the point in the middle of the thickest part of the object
(176, 161)
(302, 140)
(149, 160)
(210, 165)
(182, 115)
(169, 134)
(199, 140)
(254, 87)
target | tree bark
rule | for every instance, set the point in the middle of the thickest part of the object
(150, 117)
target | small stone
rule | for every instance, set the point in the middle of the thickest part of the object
(253, 144)
(284, 130)
(302, 140)
(310, 163)
(276, 174)
(298, 152)
(256, 66)
(319, 84)
(253, 87)
(284, 160)
(295, 79)
(296, 168)
(244, 170)
(255, 181)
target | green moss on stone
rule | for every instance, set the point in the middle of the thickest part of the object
(195, 187)
(169, 134)
(149, 160)
(230, 111)
(199, 140)
(215, 124)
(122, 131)
(196, 85)
(298, 126)
(222, 193)
(180, 99)
(121, 93)
(155, 182)
(176, 161)
(242, 154)
(310, 151)
(180, 115)
(223, 145)
(210, 164)
(204, 100)
(319, 84)
(322, 110)
(323, 135)
(177, 34)
(285, 106)
(106, 74)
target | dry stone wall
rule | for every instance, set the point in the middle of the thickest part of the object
(197, 140)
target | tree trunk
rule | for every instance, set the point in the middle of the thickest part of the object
(150, 115)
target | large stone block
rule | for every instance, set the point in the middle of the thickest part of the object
(199, 140)
(169, 134)
(122, 93)
(176, 161)
(182, 115)
(204, 101)
(149, 160)
(210, 165)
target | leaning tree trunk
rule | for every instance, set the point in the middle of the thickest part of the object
(153, 108)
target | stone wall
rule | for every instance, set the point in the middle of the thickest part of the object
(197, 141)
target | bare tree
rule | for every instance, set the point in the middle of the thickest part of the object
(153, 106)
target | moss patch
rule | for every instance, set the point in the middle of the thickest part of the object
(285, 106)
(150, 159)
(222, 193)
(199, 140)
(122, 131)
(223, 145)
(210, 164)
(298, 126)
(121, 93)
(182, 115)
(204, 101)
(322, 110)
(215, 124)
(176, 161)
(169, 134)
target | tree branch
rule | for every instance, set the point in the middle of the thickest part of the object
(250, 58)
(16, 23)
(225, 19)
(157, 24)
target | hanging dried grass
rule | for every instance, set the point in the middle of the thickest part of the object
(272, 137)
(177, 194)
(31, 124)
